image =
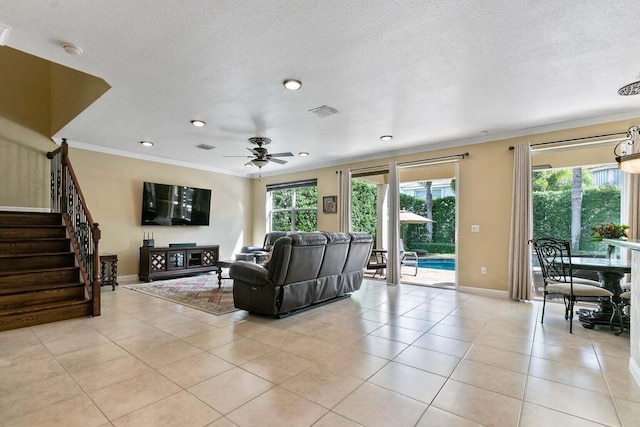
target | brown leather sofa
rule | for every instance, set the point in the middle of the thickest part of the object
(305, 269)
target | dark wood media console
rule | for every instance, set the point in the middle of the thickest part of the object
(162, 263)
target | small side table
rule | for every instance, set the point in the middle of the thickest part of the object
(109, 270)
(222, 264)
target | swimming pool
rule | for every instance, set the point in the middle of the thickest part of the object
(438, 263)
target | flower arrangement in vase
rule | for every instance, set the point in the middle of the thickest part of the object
(609, 231)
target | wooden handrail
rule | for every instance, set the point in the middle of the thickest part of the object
(67, 198)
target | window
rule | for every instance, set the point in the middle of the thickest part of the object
(293, 206)
(598, 201)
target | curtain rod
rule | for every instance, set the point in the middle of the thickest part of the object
(433, 159)
(430, 159)
(511, 147)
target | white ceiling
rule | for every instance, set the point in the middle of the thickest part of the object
(431, 73)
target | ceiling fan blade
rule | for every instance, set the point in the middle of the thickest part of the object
(253, 151)
(281, 155)
(278, 161)
(248, 163)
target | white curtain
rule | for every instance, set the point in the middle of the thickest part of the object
(393, 255)
(521, 226)
(344, 200)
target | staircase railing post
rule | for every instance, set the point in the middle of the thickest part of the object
(64, 153)
(95, 288)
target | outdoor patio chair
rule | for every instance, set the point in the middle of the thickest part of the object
(377, 261)
(408, 259)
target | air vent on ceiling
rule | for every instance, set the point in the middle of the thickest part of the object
(323, 111)
(205, 147)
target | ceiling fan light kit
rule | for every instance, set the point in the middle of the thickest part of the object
(260, 156)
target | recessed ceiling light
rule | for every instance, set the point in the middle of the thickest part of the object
(71, 48)
(484, 132)
(303, 154)
(292, 84)
(198, 123)
(386, 138)
(147, 143)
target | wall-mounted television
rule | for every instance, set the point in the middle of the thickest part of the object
(164, 204)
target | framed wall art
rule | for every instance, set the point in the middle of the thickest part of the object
(330, 204)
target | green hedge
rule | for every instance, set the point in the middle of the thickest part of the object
(552, 214)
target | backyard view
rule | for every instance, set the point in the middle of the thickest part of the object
(568, 203)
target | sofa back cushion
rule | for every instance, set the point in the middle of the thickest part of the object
(335, 254)
(296, 258)
(359, 252)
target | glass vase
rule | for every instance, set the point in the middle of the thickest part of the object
(610, 251)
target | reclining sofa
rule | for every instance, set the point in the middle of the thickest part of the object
(305, 269)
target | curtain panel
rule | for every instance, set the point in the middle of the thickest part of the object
(393, 255)
(521, 226)
(344, 200)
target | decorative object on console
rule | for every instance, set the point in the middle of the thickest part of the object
(199, 292)
(147, 240)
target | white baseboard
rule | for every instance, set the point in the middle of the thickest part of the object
(483, 292)
(635, 370)
(23, 209)
(128, 279)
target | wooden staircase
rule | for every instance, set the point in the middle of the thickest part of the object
(39, 279)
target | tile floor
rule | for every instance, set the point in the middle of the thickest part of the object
(388, 356)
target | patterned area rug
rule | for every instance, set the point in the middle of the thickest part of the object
(200, 292)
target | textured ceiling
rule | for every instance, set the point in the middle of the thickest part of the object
(431, 73)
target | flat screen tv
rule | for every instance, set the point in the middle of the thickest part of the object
(164, 204)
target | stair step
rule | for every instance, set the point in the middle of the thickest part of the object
(31, 246)
(34, 277)
(20, 317)
(30, 218)
(32, 231)
(19, 296)
(24, 262)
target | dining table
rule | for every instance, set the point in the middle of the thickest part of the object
(610, 274)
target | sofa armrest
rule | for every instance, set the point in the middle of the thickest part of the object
(248, 272)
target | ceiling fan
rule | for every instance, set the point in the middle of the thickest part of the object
(261, 156)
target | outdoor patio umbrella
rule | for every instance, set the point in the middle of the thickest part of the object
(411, 218)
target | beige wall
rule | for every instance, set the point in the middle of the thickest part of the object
(24, 167)
(483, 188)
(113, 187)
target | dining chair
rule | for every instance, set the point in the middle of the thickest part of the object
(618, 311)
(554, 256)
